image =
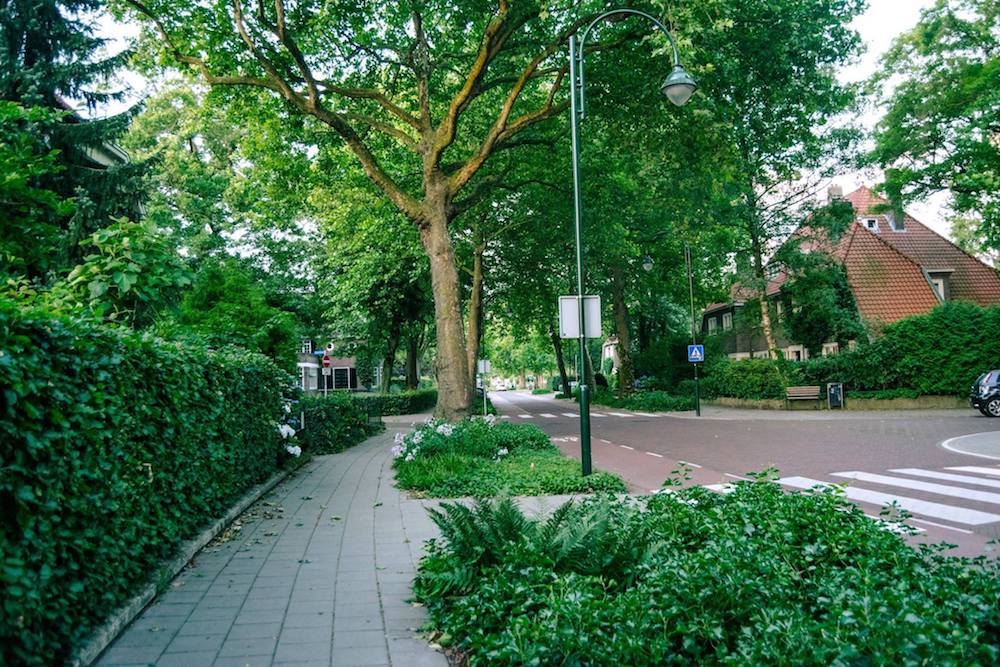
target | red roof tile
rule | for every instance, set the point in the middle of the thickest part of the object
(887, 284)
(969, 280)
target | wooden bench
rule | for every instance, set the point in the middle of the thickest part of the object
(802, 394)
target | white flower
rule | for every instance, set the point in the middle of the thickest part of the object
(397, 451)
(502, 452)
(417, 437)
(286, 431)
(294, 450)
(410, 456)
(288, 408)
(429, 421)
(399, 439)
(490, 419)
(445, 429)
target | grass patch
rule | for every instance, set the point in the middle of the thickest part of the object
(758, 576)
(482, 457)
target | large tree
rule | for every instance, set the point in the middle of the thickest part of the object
(52, 58)
(940, 88)
(423, 97)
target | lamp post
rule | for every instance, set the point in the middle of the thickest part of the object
(677, 87)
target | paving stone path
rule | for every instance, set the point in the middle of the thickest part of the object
(318, 573)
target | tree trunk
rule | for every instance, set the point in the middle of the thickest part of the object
(390, 357)
(626, 370)
(474, 328)
(412, 352)
(452, 369)
(761, 280)
(560, 360)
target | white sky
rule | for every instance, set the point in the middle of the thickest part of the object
(878, 26)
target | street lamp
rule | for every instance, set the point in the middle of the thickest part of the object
(678, 88)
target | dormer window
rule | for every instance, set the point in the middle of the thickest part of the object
(871, 224)
(896, 224)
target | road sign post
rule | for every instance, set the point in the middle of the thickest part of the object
(327, 372)
(696, 355)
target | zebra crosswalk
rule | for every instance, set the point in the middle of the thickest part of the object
(948, 495)
(576, 415)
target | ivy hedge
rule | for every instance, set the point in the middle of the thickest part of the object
(336, 422)
(941, 352)
(115, 447)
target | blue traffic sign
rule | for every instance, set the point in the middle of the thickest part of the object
(696, 353)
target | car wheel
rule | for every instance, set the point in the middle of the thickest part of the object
(983, 412)
(993, 408)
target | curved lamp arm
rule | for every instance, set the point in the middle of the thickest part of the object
(577, 51)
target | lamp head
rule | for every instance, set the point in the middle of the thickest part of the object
(647, 263)
(679, 86)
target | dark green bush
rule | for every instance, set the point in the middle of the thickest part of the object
(645, 401)
(751, 379)
(403, 403)
(754, 577)
(483, 458)
(114, 447)
(334, 423)
(942, 352)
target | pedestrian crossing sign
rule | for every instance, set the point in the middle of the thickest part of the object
(696, 353)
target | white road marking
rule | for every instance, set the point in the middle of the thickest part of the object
(570, 414)
(948, 477)
(929, 487)
(947, 444)
(526, 416)
(647, 414)
(688, 463)
(743, 479)
(659, 456)
(721, 488)
(597, 414)
(980, 469)
(548, 415)
(627, 447)
(504, 416)
(941, 525)
(937, 510)
(605, 441)
(619, 414)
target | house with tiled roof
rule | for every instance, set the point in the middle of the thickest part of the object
(896, 267)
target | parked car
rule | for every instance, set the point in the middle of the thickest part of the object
(985, 394)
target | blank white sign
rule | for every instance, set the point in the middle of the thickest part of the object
(569, 316)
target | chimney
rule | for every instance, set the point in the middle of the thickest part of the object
(835, 193)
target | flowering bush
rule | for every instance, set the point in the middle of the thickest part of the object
(482, 456)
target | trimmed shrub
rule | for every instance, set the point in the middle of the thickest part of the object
(334, 423)
(752, 379)
(403, 403)
(114, 447)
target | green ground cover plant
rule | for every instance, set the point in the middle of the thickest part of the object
(541, 390)
(756, 576)
(115, 446)
(483, 457)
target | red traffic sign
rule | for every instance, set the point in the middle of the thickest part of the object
(326, 361)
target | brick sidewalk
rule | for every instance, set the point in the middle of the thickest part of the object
(318, 574)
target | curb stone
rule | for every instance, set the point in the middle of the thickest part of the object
(101, 638)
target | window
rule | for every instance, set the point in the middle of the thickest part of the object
(727, 321)
(341, 378)
(307, 347)
(830, 349)
(779, 309)
(897, 225)
(871, 224)
(938, 284)
(712, 325)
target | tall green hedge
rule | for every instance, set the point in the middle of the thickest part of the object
(334, 423)
(748, 379)
(114, 448)
(403, 403)
(942, 352)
